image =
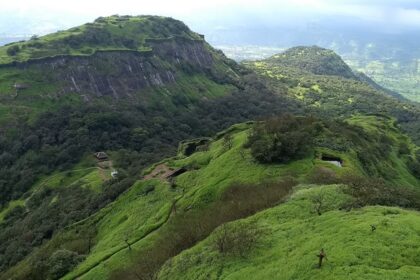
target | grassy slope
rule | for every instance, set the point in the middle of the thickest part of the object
(295, 234)
(142, 218)
(331, 93)
(135, 215)
(218, 169)
(396, 163)
(85, 174)
(334, 95)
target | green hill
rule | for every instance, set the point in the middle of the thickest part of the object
(335, 93)
(156, 219)
(57, 108)
(133, 88)
(314, 60)
(104, 34)
(291, 236)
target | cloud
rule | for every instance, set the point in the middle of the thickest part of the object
(47, 14)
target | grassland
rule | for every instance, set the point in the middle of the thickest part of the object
(293, 235)
(145, 213)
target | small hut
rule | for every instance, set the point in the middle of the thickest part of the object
(101, 156)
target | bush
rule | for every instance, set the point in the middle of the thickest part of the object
(61, 262)
(322, 175)
(13, 50)
(414, 167)
(237, 240)
(282, 139)
(373, 191)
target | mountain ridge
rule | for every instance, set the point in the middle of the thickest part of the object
(65, 214)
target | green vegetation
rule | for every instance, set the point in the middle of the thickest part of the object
(314, 60)
(282, 139)
(400, 75)
(145, 227)
(197, 214)
(334, 94)
(115, 33)
(295, 235)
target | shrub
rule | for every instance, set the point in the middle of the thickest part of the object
(414, 167)
(322, 175)
(374, 191)
(13, 50)
(61, 262)
(282, 139)
(237, 240)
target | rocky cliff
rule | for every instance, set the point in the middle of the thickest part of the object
(96, 67)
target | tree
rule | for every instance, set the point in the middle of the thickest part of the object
(227, 141)
(282, 139)
(318, 201)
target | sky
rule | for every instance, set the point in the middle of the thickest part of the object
(26, 17)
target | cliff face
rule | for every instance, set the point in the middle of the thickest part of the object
(124, 73)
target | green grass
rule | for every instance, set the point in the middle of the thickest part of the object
(133, 216)
(82, 175)
(295, 231)
(294, 235)
(214, 171)
(396, 163)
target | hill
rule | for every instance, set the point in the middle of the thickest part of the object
(314, 60)
(66, 214)
(220, 181)
(290, 237)
(58, 110)
(334, 94)
(60, 106)
(104, 34)
(113, 57)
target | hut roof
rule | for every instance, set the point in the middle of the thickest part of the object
(101, 155)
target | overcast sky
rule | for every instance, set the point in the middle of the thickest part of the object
(43, 16)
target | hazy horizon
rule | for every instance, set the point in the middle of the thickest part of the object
(25, 18)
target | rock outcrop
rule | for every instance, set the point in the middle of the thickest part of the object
(123, 73)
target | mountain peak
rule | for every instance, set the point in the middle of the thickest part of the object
(315, 60)
(104, 34)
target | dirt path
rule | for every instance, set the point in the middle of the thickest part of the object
(161, 171)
